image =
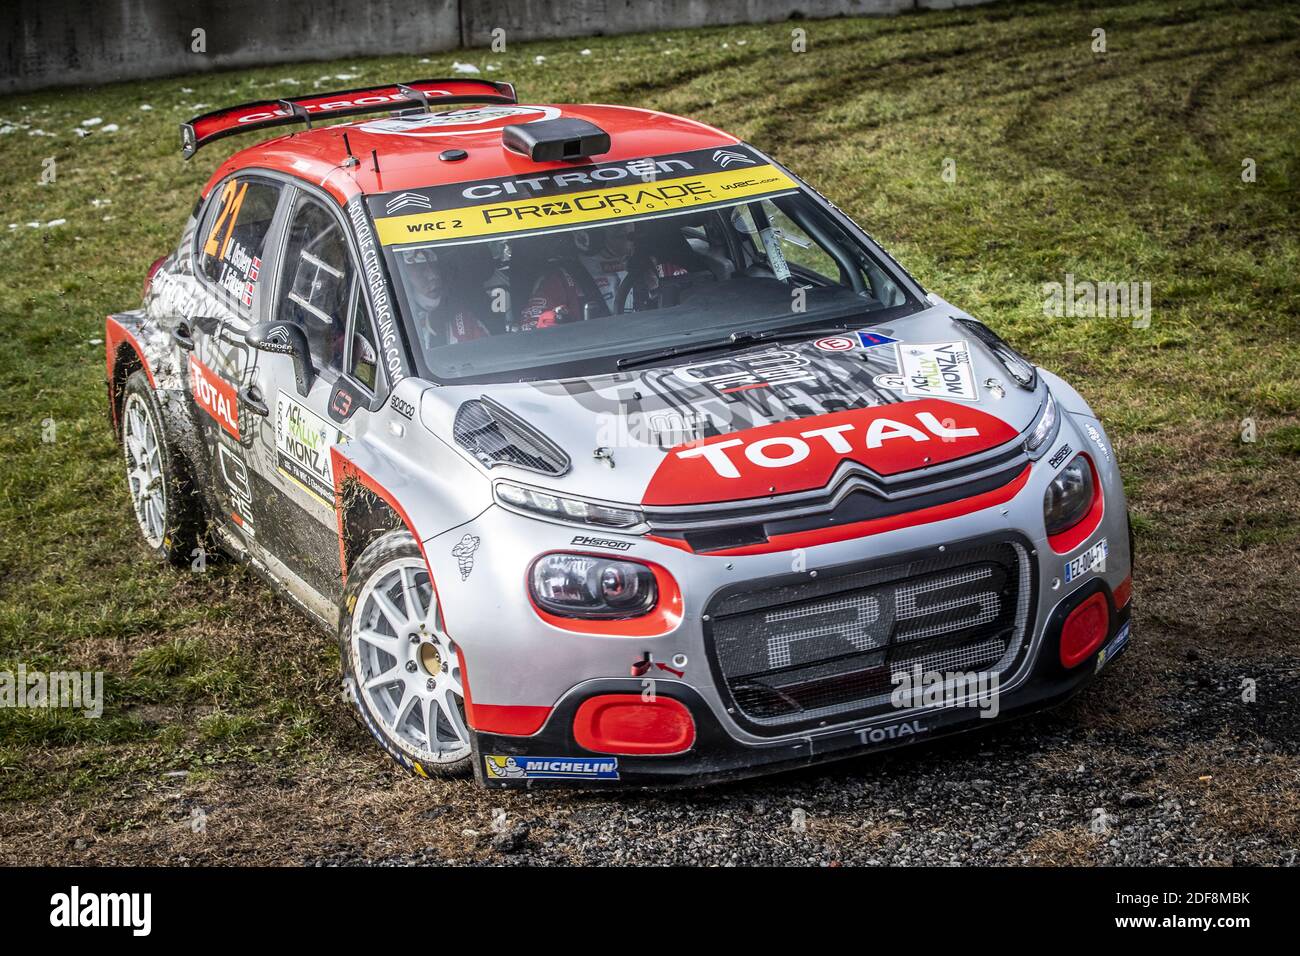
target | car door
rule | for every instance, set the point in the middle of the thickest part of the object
(234, 232)
(317, 287)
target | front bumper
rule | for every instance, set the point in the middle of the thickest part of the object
(518, 663)
(717, 755)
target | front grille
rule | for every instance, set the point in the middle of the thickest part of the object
(802, 651)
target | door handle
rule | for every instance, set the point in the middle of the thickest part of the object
(251, 396)
(182, 336)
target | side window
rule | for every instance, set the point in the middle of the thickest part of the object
(798, 247)
(317, 281)
(364, 362)
(234, 236)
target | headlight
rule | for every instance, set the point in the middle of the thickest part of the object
(582, 585)
(1069, 496)
(565, 508)
(1044, 431)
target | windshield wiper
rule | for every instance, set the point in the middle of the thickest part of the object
(740, 339)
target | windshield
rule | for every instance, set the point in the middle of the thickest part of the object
(573, 301)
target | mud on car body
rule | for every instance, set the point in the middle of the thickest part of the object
(611, 451)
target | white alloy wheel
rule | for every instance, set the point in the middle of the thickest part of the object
(407, 672)
(144, 470)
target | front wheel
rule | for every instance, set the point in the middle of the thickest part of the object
(400, 668)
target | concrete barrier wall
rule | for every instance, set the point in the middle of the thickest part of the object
(48, 43)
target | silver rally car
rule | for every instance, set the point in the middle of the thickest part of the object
(613, 453)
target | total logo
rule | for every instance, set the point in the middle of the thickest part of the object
(801, 455)
(215, 396)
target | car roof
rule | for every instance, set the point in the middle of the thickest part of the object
(408, 145)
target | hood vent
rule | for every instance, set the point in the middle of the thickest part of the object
(496, 436)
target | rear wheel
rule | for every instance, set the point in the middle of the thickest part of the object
(400, 667)
(161, 494)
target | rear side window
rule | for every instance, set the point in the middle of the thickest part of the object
(234, 236)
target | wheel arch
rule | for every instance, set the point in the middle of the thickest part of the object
(365, 509)
(124, 356)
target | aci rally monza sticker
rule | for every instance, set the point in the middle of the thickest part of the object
(941, 370)
(550, 768)
(302, 447)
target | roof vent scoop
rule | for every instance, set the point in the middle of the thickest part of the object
(549, 141)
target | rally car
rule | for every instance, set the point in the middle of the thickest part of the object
(611, 451)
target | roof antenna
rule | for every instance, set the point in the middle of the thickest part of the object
(374, 158)
(351, 160)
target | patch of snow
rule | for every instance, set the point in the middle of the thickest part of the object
(459, 67)
(145, 107)
(111, 128)
(93, 121)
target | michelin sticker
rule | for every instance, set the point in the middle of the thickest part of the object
(302, 447)
(940, 370)
(1107, 653)
(1094, 559)
(550, 768)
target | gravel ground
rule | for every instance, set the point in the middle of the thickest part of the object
(1037, 790)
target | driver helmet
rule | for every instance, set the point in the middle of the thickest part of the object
(423, 274)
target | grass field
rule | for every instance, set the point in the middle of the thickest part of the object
(222, 705)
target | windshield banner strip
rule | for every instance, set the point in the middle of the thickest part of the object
(588, 206)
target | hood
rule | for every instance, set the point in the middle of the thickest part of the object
(770, 419)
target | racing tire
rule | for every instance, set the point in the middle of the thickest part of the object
(158, 481)
(401, 670)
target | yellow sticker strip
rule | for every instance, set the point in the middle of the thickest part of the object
(596, 205)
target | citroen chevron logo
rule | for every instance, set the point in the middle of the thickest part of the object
(407, 200)
(725, 157)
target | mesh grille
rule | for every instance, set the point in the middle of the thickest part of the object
(828, 647)
(496, 437)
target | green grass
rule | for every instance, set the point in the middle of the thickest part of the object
(1122, 167)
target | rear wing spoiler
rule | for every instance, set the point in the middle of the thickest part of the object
(265, 114)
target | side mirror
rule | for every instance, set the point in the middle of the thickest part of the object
(285, 338)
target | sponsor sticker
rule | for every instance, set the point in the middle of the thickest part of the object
(1092, 559)
(584, 541)
(390, 344)
(461, 122)
(550, 768)
(216, 396)
(940, 370)
(494, 215)
(1095, 436)
(740, 373)
(836, 343)
(464, 554)
(302, 447)
(853, 340)
(797, 455)
(1059, 458)
(235, 475)
(1117, 644)
(871, 339)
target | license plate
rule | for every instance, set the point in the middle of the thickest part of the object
(1094, 557)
